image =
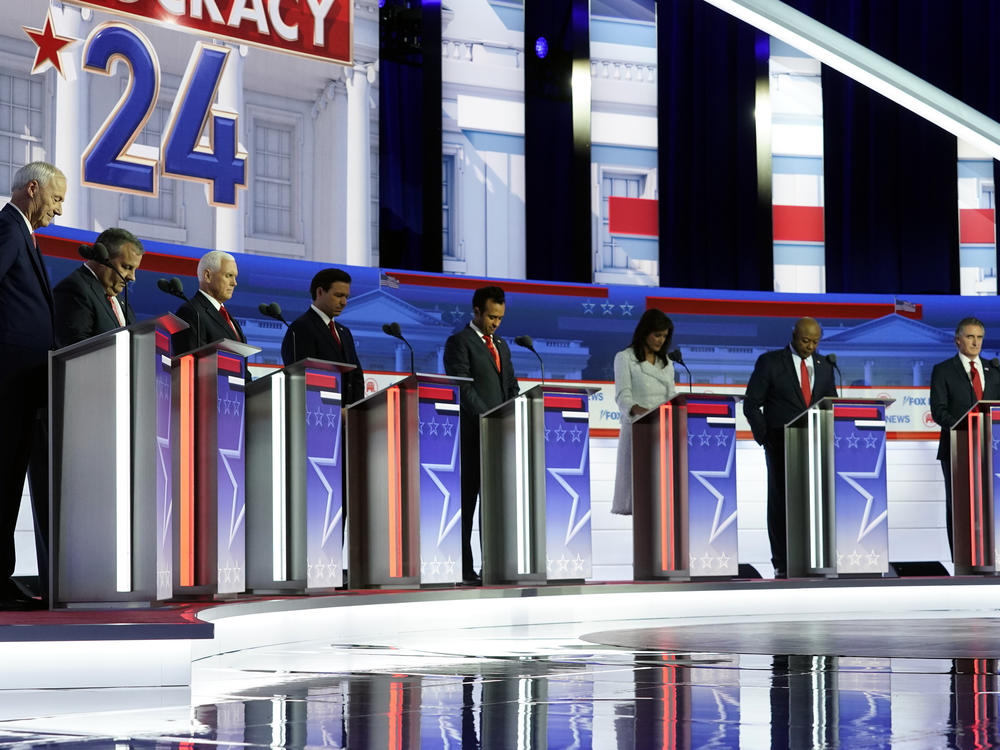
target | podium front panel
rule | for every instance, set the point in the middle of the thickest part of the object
(324, 480)
(163, 370)
(221, 492)
(567, 486)
(713, 543)
(862, 509)
(440, 484)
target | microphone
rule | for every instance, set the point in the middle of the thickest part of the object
(99, 254)
(174, 287)
(676, 356)
(832, 359)
(527, 343)
(392, 329)
(273, 310)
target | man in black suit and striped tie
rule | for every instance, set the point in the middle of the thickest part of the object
(475, 352)
(957, 384)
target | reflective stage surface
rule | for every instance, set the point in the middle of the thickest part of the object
(572, 685)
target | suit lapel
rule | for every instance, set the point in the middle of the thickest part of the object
(964, 376)
(34, 256)
(100, 299)
(789, 367)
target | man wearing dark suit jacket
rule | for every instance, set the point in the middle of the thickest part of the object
(956, 384)
(87, 301)
(784, 383)
(475, 352)
(316, 333)
(206, 313)
(26, 336)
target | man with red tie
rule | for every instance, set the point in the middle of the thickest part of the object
(784, 383)
(475, 352)
(26, 336)
(206, 313)
(316, 333)
(87, 301)
(957, 384)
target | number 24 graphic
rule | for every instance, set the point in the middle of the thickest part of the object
(106, 161)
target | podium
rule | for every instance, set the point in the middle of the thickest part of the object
(535, 486)
(209, 536)
(975, 439)
(835, 489)
(110, 446)
(404, 492)
(295, 478)
(684, 489)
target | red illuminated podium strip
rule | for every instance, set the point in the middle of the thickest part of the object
(719, 409)
(321, 380)
(780, 308)
(563, 402)
(855, 412)
(186, 490)
(430, 393)
(395, 490)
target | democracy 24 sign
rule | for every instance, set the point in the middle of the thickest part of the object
(315, 28)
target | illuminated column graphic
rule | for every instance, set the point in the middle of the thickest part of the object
(358, 188)
(229, 222)
(72, 98)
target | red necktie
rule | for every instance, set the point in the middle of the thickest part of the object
(804, 374)
(493, 350)
(336, 336)
(225, 314)
(977, 384)
(114, 310)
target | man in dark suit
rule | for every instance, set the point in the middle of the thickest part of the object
(316, 333)
(206, 313)
(87, 301)
(474, 352)
(956, 384)
(26, 336)
(784, 383)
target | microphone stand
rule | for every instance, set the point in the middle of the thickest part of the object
(175, 288)
(676, 356)
(528, 343)
(832, 359)
(273, 310)
(392, 329)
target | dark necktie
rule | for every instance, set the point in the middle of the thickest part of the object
(804, 375)
(333, 330)
(977, 384)
(225, 314)
(493, 350)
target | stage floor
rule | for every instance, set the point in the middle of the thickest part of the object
(852, 664)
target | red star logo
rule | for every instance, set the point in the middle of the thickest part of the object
(50, 45)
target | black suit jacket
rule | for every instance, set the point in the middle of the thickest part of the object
(952, 396)
(774, 393)
(82, 308)
(466, 355)
(207, 325)
(309, 336)
(26, 308)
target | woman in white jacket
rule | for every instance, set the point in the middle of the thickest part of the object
(644, 379)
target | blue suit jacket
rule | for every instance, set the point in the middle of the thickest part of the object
(26, 307)
(466, 355)
(207, 325)
(774, 393)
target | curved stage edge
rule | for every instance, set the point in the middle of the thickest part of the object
(156, 648)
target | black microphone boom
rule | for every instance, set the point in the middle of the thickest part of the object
(527, 343)
(832, 359)
(676, 356)
(273, 310)
(393, 329)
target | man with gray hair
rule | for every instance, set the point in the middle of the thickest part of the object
(26, 336)
(206, 313)
(87, 301)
